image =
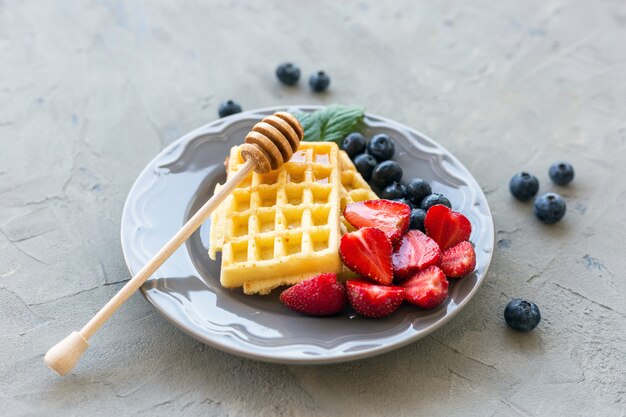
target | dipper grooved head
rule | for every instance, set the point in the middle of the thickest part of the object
(272, 141)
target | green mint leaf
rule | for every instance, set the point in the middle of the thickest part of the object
(311, 124)
(330, 124)
(341, 121)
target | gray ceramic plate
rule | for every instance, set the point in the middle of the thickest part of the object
(186, 288)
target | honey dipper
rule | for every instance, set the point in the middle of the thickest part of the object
(271, 143)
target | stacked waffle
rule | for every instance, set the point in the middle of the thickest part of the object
(284, 226)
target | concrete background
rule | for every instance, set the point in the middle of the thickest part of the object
(90, 91)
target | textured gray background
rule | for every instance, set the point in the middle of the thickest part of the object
(90, 91)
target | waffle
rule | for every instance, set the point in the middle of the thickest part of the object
(282, 227)
(353, 188)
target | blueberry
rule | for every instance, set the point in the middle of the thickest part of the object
(417, 219)
(353, 144)
(288, 73)
(385, 173)
(549, 208)
(404, 201)
(365, 164)
(319, 81)
(228, 107)
(381, 147)
(522, 315)
(393, 191)
(433, 200)
(561, 173)
(524, 186)
(417, 189)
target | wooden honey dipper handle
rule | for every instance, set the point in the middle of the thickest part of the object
(271, 143)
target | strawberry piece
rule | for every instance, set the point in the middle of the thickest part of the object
(414, 252)
(368, 253)
(371, 300)
(389, 216)
(446, 227)
(459, 260)
(321, 295)
(426, 289)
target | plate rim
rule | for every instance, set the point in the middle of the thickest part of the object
(311, 360)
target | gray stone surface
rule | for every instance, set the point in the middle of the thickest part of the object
(90, 91)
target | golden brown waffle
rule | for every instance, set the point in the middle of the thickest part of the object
(281, 227)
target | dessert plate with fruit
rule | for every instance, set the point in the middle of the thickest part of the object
(370, 237)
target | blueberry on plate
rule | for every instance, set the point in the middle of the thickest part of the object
(353, 144)
(386, 173)
(522, 315)
(549, 208)
(561, 173)
(393, 191)
(288, 73)
(381, 147)
(404, 201)
(417, 219)
(365, 164)
(228, 107)
(319, 81)
(523, 186)
(434, 199)
(417, 189)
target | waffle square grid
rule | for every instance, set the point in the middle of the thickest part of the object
(281, 227)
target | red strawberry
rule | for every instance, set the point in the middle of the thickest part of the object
(426, 289)
(318, 296)
(414, 252)
(459, 260)
(446, 227)
(371, 300)
(368, 252)
(391, 217)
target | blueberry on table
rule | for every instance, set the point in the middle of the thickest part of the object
(549, 208)
(417, 189)
(353, 144)
(319, 81)
(385, 173)
(228, 107)
(434, 199)
(393, 191)
(561, 173)
(381, 147)
(288, 73)
(522, 315)
(417, 219)
(523, 186)
(365, 164)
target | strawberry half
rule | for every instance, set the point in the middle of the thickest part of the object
(389, 216)
(371, 300)
(426, 289)
(368, 253)
(459, 260)
(446, 227)
(414, 252)
(321, 295)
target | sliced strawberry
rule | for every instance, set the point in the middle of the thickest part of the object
(371, 300)
(367, 252)
(446, 227)
(459, 260)
(389, 216)
(321, 295)
(414, 252)
(426, 289)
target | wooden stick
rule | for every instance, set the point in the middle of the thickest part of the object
(270, 144)
(63, 356)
